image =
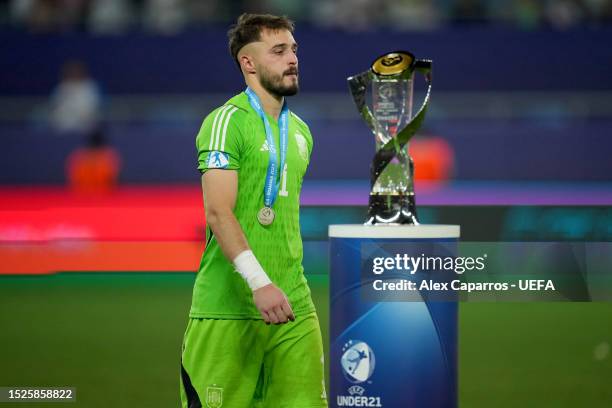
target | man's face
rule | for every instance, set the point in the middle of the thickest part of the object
(276, 62)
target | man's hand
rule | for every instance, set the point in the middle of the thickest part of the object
(273, 305)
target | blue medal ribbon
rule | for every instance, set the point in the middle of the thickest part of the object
(272, 179)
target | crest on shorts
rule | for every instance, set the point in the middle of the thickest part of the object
(214, 396)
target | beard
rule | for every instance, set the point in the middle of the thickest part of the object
(273, 83)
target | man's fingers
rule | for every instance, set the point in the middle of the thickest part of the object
(265, 316)
(273, 305)
(274, 318)
(282, 316)
(288, 311)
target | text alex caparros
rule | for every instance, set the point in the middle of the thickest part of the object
(458, 265)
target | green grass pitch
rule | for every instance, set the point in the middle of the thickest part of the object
(116, 337)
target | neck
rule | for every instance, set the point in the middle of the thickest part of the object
(271, 104)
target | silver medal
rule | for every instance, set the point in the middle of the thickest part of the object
(265, 216)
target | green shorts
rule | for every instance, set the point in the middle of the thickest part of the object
(248, 364)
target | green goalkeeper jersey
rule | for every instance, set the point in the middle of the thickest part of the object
(233, 137)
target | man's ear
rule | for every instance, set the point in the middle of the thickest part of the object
(247, 64)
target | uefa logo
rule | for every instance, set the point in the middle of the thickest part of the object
(357, 361)
(217, 160)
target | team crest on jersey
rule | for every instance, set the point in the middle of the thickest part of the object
(217, 160)
(214, 396)
(300, 140)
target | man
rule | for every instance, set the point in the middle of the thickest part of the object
(76, 102)
(253, 338)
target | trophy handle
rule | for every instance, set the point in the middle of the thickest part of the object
(358, 84)
(387, 152)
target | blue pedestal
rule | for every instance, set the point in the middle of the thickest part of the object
(392, 354)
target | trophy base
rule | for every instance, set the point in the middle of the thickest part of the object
(392, 209)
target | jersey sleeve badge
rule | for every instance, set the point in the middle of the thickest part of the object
(217, 160)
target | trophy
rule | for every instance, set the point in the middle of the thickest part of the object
(388, 86)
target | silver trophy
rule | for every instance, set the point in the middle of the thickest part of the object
(383, 95)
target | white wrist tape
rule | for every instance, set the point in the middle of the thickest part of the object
(249, 268)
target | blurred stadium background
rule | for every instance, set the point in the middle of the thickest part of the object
(101, 218)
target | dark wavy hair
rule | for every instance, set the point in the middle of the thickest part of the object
(248, 29)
